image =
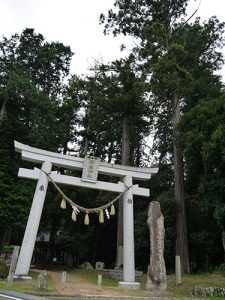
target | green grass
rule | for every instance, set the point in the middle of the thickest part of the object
(190, 281)
(107, 282)
(215, 279)
(184, 290)
(92, 276)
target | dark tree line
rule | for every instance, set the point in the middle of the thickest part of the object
(166, 87)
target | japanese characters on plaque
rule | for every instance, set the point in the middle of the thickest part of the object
(90, 171)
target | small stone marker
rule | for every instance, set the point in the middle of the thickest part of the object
(156, 277)
(42, 281)
(13, 264)
(99, 265)
(63, 278)
(178, 270)
(99, 281)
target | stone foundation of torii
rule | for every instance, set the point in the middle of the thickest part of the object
(91, 168)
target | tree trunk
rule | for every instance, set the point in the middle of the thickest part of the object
(124, 161)
(51, 243)
(86, 146)
(86, 138)
(181, 223)
(125, 142)
(3, 110)
(95, 245)
(65, 147)
(110, 152)
(223, 240)
(8, 237)
(138, 157)
(3, 238)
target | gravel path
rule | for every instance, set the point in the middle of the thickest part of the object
(76, 285)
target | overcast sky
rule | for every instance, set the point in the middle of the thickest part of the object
(76, 23)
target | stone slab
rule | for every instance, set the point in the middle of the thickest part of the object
(129, 285)
(22, 278)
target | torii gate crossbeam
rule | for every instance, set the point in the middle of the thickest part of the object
(49, 159)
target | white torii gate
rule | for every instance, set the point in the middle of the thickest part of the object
(88, 180)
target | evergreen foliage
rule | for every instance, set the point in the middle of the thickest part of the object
(166, 87)
(176, 55)
(4, 270)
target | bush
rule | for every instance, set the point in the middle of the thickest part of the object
(8, 248)
(4, 270)
(220, 269)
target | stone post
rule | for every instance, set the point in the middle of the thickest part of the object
(178, 270)
(99, 281)
(63, 277)
(156, 277)
(128, 239)
(30, 235)
(13, 264)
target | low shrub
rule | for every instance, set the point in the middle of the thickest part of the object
(222, 267)
(4, 270)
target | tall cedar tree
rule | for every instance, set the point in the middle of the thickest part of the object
(163, 35)
(204, 140)
(115, 106)
(32, 71)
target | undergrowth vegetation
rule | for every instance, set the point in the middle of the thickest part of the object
(206, 279)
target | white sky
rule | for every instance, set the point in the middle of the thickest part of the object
(76, 23)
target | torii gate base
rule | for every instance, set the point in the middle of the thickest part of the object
(129, 285)
(47, 159)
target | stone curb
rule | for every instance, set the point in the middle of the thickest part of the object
(107, 297)
(25, 296)
(48, 296)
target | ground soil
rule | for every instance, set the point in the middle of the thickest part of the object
(76, 285)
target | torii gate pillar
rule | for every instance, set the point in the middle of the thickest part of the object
(27, 248)
(128, 239)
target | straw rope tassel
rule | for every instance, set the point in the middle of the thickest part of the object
(79, 208)
(101, 216)
(74, 215)
(86, 219)
(112, 210)
(63, 204)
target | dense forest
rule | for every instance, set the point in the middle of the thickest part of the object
(168, 88)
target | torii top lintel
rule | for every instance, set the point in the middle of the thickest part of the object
(66, 161)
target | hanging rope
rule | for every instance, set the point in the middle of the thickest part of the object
(79, 208)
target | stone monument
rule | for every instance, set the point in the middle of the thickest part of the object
(99, 265)
(156, 276)
(12, 268)
(42, 283)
